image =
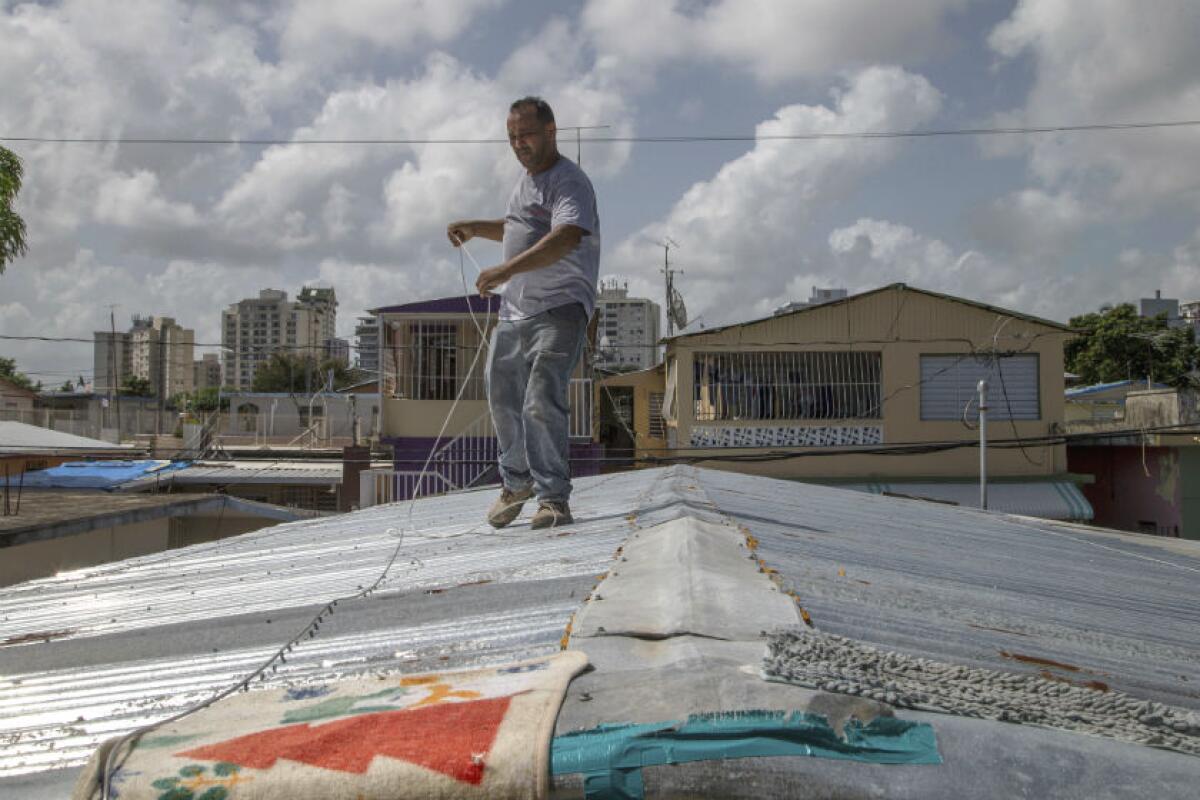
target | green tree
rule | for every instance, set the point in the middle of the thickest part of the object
(200, 400)
(133, 386)
(8, 371)
(284, 372)
(1116, 344)
(12, 227)
(67, 387)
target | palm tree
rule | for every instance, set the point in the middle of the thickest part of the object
(12, 227)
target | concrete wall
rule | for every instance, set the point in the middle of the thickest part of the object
(1149, 490)
(282, 416)
(903, 325)
(43, 559)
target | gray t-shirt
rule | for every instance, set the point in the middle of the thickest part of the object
(562, 195)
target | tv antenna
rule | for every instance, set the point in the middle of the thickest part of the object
(676, 310)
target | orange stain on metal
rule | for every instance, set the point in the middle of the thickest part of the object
(1045, 662)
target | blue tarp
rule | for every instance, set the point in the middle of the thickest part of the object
(98, 474)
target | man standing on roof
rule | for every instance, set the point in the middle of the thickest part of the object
(547, 289)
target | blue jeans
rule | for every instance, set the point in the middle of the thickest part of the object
(528, 374)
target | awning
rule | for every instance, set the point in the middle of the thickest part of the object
(1045, 499)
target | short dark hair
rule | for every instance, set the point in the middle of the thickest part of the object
(544, 113)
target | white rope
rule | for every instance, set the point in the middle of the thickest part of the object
(309, 630)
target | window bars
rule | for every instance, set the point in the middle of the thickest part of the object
(787, 385)
(658, 426)
(428, 360)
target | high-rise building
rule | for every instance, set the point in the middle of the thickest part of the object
(338, 349)
(818, 297)
(155, 349)
(206, 372)
(1167, 306)
(627, 335)
(110, 361)
(1190, 312)
(366, 338)
(256, 328)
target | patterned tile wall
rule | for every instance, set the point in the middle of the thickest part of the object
(786, 436)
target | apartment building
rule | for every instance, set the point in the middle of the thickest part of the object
(155, 349)
(627, 329)
(366, 338)
(206, 372)
(817, 297)
(254, 329)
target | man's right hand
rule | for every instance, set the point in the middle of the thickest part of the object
(460, 232)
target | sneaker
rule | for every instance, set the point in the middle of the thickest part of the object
(551, 514)
(507, 507)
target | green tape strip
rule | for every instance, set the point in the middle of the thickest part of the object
(611, 757)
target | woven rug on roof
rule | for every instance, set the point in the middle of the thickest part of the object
(469, 734)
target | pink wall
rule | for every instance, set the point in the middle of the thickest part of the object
(1124, 496)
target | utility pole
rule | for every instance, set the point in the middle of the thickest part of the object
(669, 275)
(983, 409)
(114, 376)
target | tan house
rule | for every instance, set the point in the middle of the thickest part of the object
(826, 385)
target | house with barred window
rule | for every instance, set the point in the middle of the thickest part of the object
(433, 401)
(875, 391)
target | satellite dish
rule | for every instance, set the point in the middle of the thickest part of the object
(678, 310)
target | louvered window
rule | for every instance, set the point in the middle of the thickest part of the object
(950, 382)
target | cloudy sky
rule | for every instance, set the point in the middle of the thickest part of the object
(1051, 224)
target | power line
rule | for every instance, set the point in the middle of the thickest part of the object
(666, 139)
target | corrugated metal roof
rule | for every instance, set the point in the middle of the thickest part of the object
(1083, 391)
(102, 650)
(969, 586)
(294, 471)
(1044, 499)
(17, 437)
(855, 298)
(128, 643)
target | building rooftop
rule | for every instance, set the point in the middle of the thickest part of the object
(18, 437)
(1096, 388)
(301, 472)
(669, 581)
(446, 305)
(99, 474)
(54, 514)
(854, 297)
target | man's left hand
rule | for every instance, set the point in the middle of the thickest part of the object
(489, 279)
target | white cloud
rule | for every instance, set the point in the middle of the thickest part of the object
(872, 253)
(135, 201)
(319, 30)
(1033, 223)
(1113, 62)
(774, 40)
(742, 231)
